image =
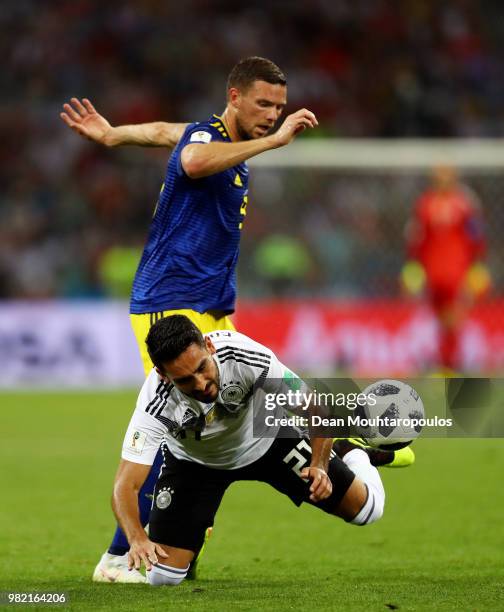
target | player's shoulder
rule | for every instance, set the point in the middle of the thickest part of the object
(155, 392)
(234, 339)
(234, 345)
(206, 131)
(469, 197)
(425, 198)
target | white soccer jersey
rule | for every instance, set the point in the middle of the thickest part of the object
(218, 435)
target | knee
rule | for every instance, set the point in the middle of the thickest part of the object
(372, 508)
(161, 575)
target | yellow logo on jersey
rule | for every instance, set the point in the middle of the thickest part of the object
(210, 416)
(238, 181)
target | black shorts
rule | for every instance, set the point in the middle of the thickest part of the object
(188, 494)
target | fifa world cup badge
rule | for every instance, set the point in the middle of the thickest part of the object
(138, 441)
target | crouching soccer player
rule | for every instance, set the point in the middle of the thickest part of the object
(197, 404)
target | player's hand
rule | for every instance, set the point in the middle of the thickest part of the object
(321, 485)
(478, 281)
(293, 125)
(413, 278)
(83, 119)
(145, 552)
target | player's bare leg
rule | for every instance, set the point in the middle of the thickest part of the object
(174, 568)
(364, 500)
(352, 501)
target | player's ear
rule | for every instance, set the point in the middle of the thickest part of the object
(163, 375)
(210, 346)
(234, 97)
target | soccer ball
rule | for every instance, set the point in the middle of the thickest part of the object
(393, 415)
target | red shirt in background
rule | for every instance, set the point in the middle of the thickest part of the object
(446, 237)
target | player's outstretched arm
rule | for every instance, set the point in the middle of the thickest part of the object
(84, 119)
(200, 160)
(129, 479)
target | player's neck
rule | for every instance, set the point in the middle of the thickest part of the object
(230, 124)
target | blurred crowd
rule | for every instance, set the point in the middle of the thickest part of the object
(73, 216)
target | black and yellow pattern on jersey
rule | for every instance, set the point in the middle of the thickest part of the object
(219, 125)
(206, 322)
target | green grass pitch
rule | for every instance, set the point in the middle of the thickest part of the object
(440, 545)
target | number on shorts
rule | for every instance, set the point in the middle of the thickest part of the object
(301, 460)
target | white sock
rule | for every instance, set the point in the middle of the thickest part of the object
(160, 575)
(358, 461)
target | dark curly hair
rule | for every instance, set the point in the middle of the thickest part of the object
(169, 337)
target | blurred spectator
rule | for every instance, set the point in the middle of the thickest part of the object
(445, 245)
(117, 270)
(284, 263)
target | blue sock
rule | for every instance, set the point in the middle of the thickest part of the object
(120, 544)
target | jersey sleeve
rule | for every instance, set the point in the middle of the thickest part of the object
(145, 433)
(196, 133)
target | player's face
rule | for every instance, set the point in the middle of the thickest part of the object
(444, 177)
(258, 108)
(195, 372)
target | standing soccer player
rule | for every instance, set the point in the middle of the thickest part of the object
(189, 262)
(446, 243)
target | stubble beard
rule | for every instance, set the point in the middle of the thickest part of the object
(242, 132)
(216, 381)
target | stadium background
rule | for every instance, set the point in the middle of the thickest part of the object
(328, 242)
(321, 252)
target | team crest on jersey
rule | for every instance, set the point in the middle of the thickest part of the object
(232, 393)
(164, 498)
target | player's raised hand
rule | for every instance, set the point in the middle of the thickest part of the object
(321, 485)
(83, 118)
(293, 125)
(145, 552)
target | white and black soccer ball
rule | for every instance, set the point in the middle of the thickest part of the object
(392, 417)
